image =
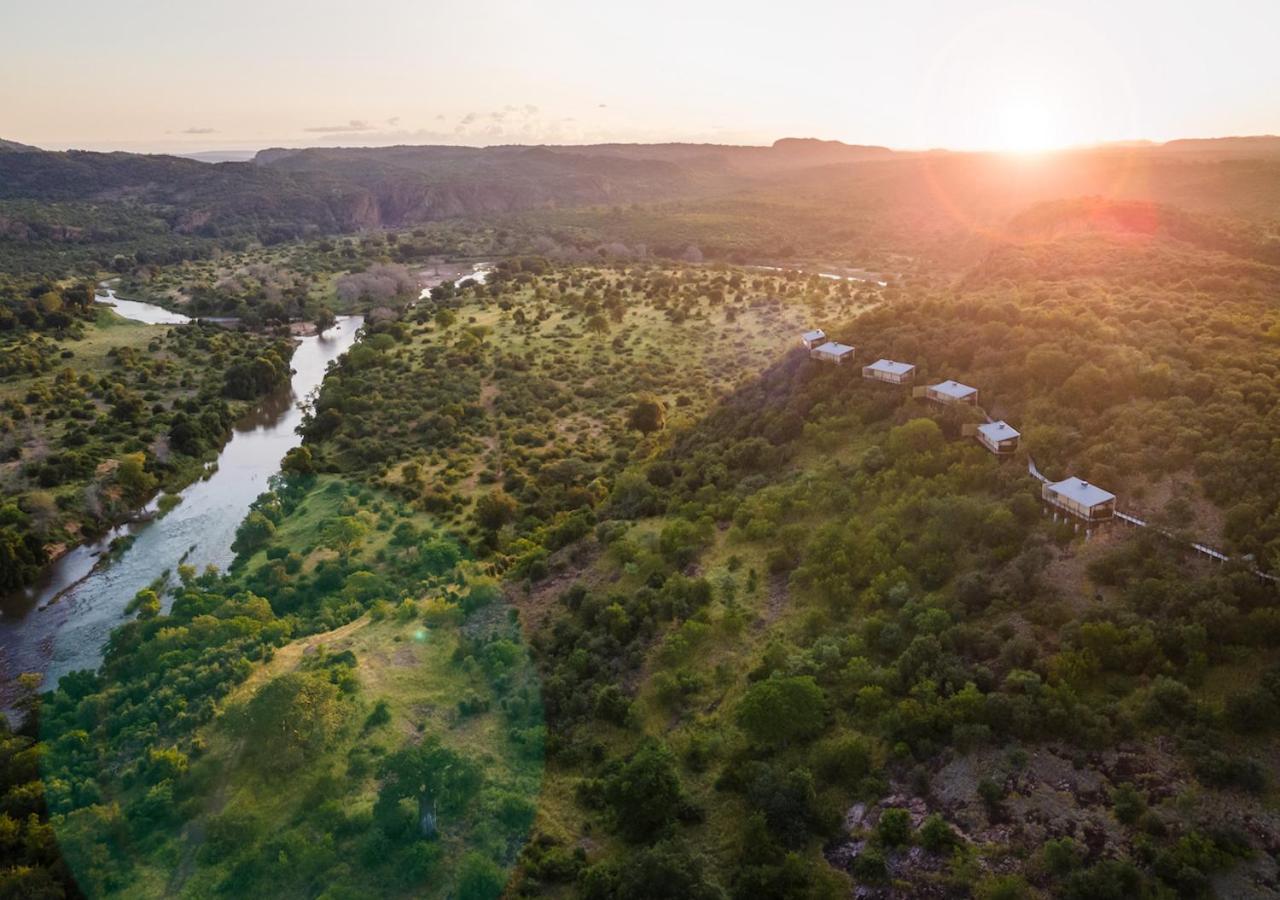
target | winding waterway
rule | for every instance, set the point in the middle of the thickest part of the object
(61, 623)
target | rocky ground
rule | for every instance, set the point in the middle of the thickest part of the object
(1052, 792)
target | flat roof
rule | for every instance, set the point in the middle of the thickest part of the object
(814, 335)
(892, 367)
(953, 389)
(1081, 491)
(999, 431)
(834, 348)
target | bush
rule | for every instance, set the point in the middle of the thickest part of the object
(1061, 857)
(1002, 887)
(894, 827)
(780, 710)
(645, 793)
(844, 759)
(936, 835)
(479, 878)
(1127, 804)
(869, 865)
(1111, 879)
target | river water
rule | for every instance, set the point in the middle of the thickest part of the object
(454, 272)
(146, 313)
(60, 624)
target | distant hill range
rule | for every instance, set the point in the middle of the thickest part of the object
(283, 193)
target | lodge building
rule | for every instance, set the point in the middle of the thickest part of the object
(811, 339)
(1000, 437)
(952, 392)
(832, 352)
(1080, 498)
(890, 371)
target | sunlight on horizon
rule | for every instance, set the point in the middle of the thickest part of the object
(1027, 128)
(913, 75)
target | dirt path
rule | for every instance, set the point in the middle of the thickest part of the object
(290, 655)
(488, 394)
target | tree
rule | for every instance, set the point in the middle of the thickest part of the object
(645, 793)
(648, 415)
(916, 436)
(22, 557)
(324, 319)
(343, 533)
(298, 461)
(146, 603)
(134, 480)
(786, 797)
(438, 779)
(291, 719)
(783, 709)
(254, 531)
(666, 870)
(495, 509)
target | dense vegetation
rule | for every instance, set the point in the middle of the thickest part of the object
(794, 634)
(311, 742)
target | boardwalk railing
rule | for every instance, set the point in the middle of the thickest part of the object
(1136, 522)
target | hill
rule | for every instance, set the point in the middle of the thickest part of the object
(799, 198)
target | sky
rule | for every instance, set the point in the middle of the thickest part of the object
(180, 76)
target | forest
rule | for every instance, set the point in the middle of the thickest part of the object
(586, 581)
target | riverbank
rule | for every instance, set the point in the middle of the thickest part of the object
(57, 637)
(118, 390)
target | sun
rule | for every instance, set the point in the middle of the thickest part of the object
(1026, 127)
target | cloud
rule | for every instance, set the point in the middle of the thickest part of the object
(195, 130)
(352, 125)
(507, 123)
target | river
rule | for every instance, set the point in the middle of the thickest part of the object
(61, 623)
(455, 272)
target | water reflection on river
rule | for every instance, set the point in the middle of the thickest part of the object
(61, 624)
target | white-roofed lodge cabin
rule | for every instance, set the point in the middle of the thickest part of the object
(889, 371)
(952, 392)
(1000, 438)
(832, 352)
(1080, 498)
(814, 338)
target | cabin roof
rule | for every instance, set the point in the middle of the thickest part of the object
(954, 389)
(1081, 491)
(834, 348)
(999, 431)
(816, 335)
(891, 367)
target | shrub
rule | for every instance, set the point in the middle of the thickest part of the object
(869, 865)
(936, 835)
(894, 827)
(479, 878)
(781, 710)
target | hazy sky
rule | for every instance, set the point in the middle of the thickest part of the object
(180, 75)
